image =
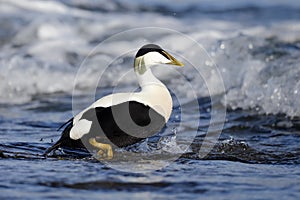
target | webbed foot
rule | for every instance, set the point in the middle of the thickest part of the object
(105, 150)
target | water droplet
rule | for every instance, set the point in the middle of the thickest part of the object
(222, 46)
(174, 130)
(208, 63)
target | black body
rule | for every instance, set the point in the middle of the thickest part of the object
(119, 125)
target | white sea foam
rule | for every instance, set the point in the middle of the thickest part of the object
(41, 53)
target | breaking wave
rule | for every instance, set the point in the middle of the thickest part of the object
(41, 53)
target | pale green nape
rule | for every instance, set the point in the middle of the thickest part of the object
(139, 65)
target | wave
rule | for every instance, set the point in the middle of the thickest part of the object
(41, 53)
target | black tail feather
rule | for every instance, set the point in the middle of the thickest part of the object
(53, 147)
(64, 139)
(70, 120)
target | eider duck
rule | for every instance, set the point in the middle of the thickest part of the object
(123, 119)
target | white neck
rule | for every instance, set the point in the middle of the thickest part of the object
(148, 80)
(154, 93)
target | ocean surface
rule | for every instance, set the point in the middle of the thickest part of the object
(235, 128)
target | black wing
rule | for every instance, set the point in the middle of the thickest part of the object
(123, 124)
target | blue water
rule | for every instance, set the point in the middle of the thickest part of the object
(256, 48)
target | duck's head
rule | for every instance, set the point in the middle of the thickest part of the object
(150, 55)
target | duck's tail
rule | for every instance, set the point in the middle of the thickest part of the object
(63, 139)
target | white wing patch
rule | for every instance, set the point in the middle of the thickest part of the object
(80, 128)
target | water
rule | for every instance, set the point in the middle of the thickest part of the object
(256, 47)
